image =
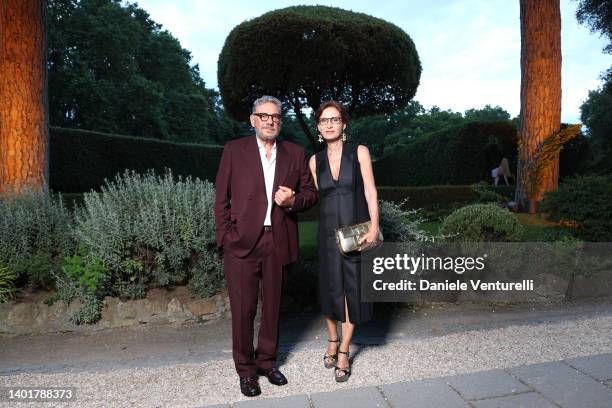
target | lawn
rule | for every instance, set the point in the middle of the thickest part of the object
(308, 239)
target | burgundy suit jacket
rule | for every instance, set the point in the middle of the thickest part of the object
(241, 202)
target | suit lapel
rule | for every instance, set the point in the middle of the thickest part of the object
(282, 165)
(253, 160)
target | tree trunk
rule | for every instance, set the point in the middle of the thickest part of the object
(540, 95)
(24, 130)
(297, 109)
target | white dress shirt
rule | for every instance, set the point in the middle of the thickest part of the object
(269, 168)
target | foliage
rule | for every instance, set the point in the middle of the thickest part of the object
(34, 236)
(113, 69)
(535, 233)
(414, 122)
(487, 194)
(585, 200)
(487, 114)
(371, 131)
(595, 113)
(367, 64)
(598, 15)
(432, 201)
(454, 155)
(7, 284)
(293, 132)
(576, 156)
(385, 133)
(91, 305)
(149, 230)
(546, 152)
(87, 271)
(428, 196)
(208, 278)
(82, 278)
(95, 156)
(398, 225)
(482, 223)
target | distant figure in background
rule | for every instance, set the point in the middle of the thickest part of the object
(502, 171)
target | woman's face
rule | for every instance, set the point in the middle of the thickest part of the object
(330, 124)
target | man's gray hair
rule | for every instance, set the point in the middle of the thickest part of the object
(267, 99)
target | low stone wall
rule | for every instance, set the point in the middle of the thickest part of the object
(32, 315)
(159, 307)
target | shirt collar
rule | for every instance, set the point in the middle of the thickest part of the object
(261, 146)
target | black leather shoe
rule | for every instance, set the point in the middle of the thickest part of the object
(249, 386)
(274, 376)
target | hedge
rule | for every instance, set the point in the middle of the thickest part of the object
(80, 160)
(461, 154)
(432, 199)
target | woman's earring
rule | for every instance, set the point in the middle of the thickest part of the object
(320, 139)
(343, 137)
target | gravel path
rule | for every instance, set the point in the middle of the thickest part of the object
(194, 385)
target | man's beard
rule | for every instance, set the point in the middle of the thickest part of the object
(265, 137)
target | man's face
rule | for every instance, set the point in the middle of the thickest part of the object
(268, 129)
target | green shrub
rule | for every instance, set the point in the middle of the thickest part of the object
(88, 271)
(481, 222)
(432, 201)
(95, 156)
(35, 235)
(487, 194)
(7, 284)
(398, 225)
(207, 278)
(428, 196)
(150, 231)
(439, 201)
(539, 233)
(585, 200)
(70, 289)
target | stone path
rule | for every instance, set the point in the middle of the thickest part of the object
(584, 382)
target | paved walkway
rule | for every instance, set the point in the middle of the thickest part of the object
(584, 382)
(439, 356)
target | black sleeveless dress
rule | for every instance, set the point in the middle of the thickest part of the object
(341, 202)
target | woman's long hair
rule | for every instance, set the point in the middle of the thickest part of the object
(504, 168)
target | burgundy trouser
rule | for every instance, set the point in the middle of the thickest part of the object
(243, 276)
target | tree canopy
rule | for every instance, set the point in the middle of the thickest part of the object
(595, 111)
(598, 15)
(113, 69)
(308, 54)
(596, 115)
(385, 133)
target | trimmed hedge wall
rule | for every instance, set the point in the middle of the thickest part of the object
(434, 200)
(80, 159)
(462, 154)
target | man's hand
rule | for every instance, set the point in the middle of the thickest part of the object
(284, 197)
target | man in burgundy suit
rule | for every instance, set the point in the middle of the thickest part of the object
(261, 185)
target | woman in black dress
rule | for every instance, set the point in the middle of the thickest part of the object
(347, 195)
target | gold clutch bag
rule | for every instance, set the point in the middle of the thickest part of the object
(348, 238)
